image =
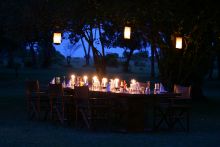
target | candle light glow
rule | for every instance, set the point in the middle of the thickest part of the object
(116, 82)
(85, 78)
(104, 81)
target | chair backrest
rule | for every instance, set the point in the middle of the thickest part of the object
(143, 84)
(32, 86)
(81, 92)
(185, 91)
(56, 92)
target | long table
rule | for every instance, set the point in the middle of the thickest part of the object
(139, 107)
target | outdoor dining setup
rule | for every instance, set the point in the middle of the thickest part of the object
(114, 104)
(109, 85)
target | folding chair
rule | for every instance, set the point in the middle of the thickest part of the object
(161, 113)
(180, 107)
(91, 109)
(37, 101)
(59, 102)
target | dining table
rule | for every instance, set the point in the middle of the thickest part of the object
(139, 106)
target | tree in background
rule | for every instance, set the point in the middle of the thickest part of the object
(152, 22)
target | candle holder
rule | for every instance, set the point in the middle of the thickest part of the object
(117, 88)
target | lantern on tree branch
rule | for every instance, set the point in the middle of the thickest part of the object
(179, 42)
(57, 38)
(127, 32)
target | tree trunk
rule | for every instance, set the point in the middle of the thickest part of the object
(101, 40)
(152, 71)
(48, 50)
(98, 62)
(46, 59)
(126, 65)
(102, 44)
(97, 56)
(87, 57)
(68, 60)
(33, 55)
(197, 92)
(87, 54)
(218, 65)
(10, 59)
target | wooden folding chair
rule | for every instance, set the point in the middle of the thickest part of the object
(161, 113)
(180, 107)
(173, 111)
(91, 109)
(37, 101)
(59, 102)
(81, 95)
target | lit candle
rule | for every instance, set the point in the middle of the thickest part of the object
(133, 81)
(116, 83)
(73, 77)
(157, 86)
(122, 84)
(85, 78)
(72, 80)
(104, 82)
(95, 79)
(133, 84)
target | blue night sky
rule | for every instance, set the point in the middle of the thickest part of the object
(65, 48)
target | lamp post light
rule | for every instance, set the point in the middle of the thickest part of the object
(57, 38)
(127, 32)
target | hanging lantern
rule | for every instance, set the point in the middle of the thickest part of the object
(179, 42)
(57, 38)
(127, 32)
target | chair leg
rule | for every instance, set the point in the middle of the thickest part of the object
(85, 119)
(188, 120)
(46, 115)
(34, 112)
(60, 116)
(163, 118)
(182, 117)
(76, 117)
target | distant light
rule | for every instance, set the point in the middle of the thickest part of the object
(127, 32)
(179, 42)
(56, 38)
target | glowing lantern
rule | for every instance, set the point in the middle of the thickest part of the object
(56, 38)
(127, 32)
(179, 42)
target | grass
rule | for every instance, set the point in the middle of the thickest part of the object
(17, 130)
